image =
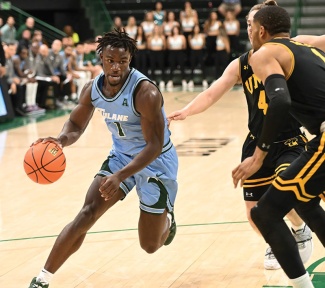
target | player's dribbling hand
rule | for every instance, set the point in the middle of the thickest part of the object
(48, 139)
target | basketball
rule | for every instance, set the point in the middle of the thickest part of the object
(44, 163)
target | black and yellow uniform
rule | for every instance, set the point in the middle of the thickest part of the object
(299, 184)
(289, 144)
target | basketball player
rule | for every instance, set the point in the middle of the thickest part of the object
(293, 75)
(132, 107)
(289, 144)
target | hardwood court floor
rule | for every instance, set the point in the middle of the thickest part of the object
(214, 245)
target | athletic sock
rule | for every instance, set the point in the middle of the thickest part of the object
(44, 276)
(169, 216)
(302, 282)
(296, 228)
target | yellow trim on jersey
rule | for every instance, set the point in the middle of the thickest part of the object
(282, 167)
(258, 182)
(291, 54)
(302, 177)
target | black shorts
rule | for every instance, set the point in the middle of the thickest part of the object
(305, 176)
(280, 156)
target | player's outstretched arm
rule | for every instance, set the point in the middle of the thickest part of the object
(207, 98)
(313, 40)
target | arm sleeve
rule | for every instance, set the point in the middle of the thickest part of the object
(279, 104)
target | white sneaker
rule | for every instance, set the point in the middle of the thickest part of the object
(304, 241)
(205, 84)
(184, 85)
(270, 262)
(190, 86)
(170, 86)
(162, 86)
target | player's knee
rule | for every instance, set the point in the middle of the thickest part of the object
(257, 216)
(86, 218)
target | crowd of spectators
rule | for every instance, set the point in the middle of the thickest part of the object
(170, 43)
(41, 75)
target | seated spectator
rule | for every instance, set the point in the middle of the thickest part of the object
(38, 36)
(226, 5)
(68, 30)
(46, 78)
(67, 41)
(91, 61)
(79, 73)
(26, 39)
(159, 14)
(8, 31)
(60, 71)
(29, 24)
(29, 83)
(16, 91)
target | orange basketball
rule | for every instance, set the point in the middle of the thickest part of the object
(44, 163)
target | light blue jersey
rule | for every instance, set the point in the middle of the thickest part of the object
(156, 184)
(121, 118)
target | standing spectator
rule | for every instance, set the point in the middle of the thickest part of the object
(157, 47)
(226, 5)
(159, 14)
(69, 31)
(117, 23)
(170, 23)
(148, 24)
(176, 45)
(188, 7)
(29, 24)
(222, 52)
(8, 31)
(187, 24)
(211, 30)
(141, 58)
(38, 36)
(131, 27)
(197, 45)
(26, 39)
(232, 27)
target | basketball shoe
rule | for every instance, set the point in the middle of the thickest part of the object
(270, 262)
(37, 284)
(305, 245)
(172, 230)
(304, 241)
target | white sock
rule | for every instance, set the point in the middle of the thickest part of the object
(302, 226)
(302, 282)
(169, 216)
(45, 276)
